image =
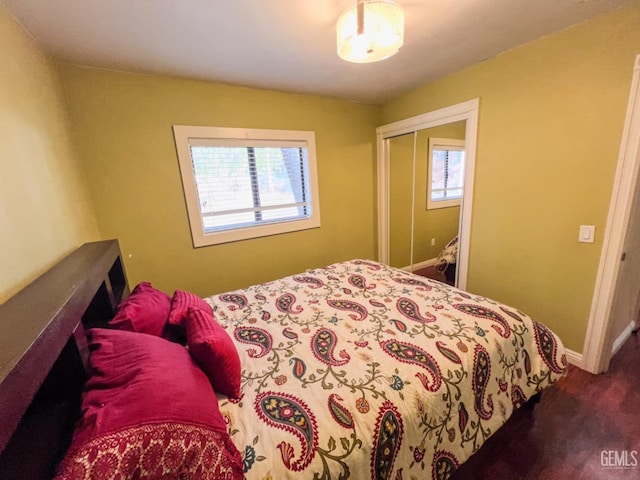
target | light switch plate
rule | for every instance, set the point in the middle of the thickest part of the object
(587, 233)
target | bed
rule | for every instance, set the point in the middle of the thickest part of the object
(446, 260)
(354, 370)
(359, 367)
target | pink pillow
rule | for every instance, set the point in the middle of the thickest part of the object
(147, 408)
(181, 302)
(215, 352)
(146, 310)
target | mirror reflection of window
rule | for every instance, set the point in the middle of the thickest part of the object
(446, 172)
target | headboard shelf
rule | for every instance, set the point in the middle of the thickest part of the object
(47, 317)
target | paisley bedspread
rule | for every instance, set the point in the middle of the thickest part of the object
(358, 370)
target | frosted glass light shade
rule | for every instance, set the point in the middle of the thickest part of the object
(377, 35)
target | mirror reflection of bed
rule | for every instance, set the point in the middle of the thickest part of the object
(444, 267)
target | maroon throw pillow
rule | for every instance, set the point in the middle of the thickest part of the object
(146, 310)
(181, 302)
(212, 348)
(148, 412)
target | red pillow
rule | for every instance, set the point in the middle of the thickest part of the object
(181, 302)
(215, 352)
(148, 411)
(146, 310)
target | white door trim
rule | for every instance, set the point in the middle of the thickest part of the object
(462, 111)
(598, 347)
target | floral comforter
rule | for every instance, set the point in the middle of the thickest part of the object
(358, 370)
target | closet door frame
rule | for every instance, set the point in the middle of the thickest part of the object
(467, 111)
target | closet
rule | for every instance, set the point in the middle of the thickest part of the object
(425, 186)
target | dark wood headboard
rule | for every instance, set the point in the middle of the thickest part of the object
(44, 355)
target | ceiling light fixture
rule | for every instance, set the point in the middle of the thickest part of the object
(371, 30)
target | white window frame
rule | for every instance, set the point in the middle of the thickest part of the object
(187, 136)
(442, 144)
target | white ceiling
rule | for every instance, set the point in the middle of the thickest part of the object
(288, 45)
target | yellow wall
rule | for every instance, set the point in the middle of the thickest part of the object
(550, 123)
(44, 209)
(122, 125)
(551, 119)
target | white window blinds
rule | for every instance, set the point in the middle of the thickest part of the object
(445, 184)
(242, 183)
(251, 184)
(447, 178)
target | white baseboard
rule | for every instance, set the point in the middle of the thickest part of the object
(574, 358)
(418, 266)
(618, 342)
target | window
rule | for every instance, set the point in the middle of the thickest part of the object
(246, 183)
(446, 172)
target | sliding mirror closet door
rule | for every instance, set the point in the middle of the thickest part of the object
(439, 189)
(401, 176)
(426, 186)
(409, 184)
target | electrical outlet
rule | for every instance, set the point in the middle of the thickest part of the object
(433, 242)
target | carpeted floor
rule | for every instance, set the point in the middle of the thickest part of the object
(586, 427)
(431, 272)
